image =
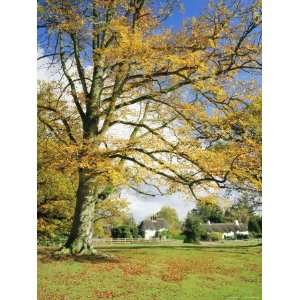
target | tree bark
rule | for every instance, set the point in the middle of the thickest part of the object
(81, 234)
(80, 238)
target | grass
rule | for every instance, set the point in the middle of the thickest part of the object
(210, 271)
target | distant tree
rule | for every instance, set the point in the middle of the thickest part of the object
(209, 210)
(237, 213)
(141, 232)
(109, 212)
(124, 231)
(130, 222)
(242, 210)
(255, 225)
(169, 214)
(121, 232)
(193, 230)
(128, 229)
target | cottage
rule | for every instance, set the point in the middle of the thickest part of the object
(153, 226)
(228, 230)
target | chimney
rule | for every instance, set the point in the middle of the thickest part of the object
(236, 222)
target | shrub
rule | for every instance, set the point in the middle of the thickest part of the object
(215, 236)
(179, 237)
(162, 234)
(121, 232)
(125, 231)
(240, 236)
(203, 235)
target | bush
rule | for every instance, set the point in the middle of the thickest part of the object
(229, 238)
(188, 239)
(125, 231)
(215, 236)
(203, 235)
(179, 237)
(121, 232)
(242, 236)
(162, 234)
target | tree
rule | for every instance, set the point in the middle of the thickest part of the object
(108, 213)
(186, 115)
(121, 232)
(255, 225)
(169, 214)
(193, 229)
(242, 210)
(127, 228)
(57, 196)
(56, 193)
(209, 210)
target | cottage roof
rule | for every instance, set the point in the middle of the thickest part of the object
(153, 224)
(225, 227)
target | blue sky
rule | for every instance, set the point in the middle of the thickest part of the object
(192, 8)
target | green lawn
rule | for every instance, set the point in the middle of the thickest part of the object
(230, 270)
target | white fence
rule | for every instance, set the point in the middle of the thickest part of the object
(134, 241)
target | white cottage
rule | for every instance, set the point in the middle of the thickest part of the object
(152, 226)
(228, 230)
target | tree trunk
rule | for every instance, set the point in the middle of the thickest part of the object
(81, 234)
(80, 238)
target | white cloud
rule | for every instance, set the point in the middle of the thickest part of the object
(144, 206)
(44, 72)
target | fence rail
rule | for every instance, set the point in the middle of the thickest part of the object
(109, 241)
(134, 240)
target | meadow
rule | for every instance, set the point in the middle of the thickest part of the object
(229, 271)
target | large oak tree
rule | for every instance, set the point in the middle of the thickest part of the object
(139, 105)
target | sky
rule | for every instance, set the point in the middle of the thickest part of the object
(142, 207)
(192, 8)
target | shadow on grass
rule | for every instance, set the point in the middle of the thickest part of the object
(48, 255)
(230, 249)
(184, 247)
